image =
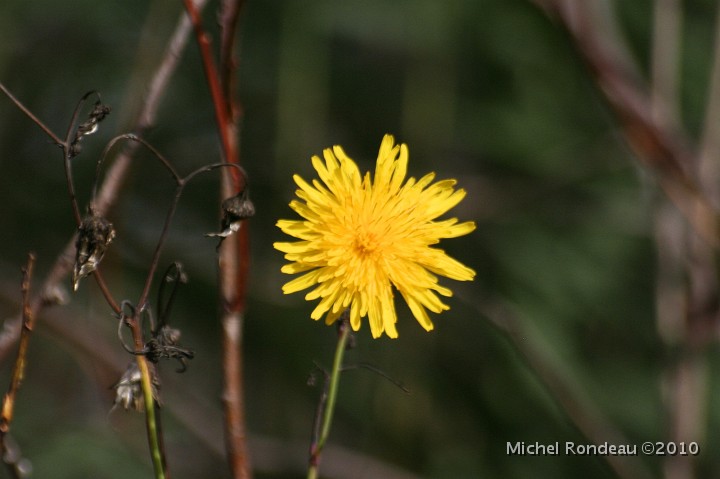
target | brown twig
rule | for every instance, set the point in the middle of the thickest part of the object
(229, 16)
(180, 183)
(233, 257)
(96, 355)
(70, 149)
(56, 139)
(106, 198)
(116, 174)
(18, 372)
(663, 150)
(221, 113)
(681, 256)
(134, 320)
(688, 278)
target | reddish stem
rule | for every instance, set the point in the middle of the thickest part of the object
(222, 117)
(234, 252)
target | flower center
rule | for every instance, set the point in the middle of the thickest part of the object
(365, 244)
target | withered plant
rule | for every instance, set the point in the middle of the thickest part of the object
(153, 335)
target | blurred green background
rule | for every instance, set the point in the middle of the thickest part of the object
(490, 92)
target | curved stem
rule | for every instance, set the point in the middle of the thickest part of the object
(131, 137)
(214, 166)
(100, 280)
(181, 182)
(76, 114)
(173, 274)
(68, 155)
(105, 199)
(158, 249)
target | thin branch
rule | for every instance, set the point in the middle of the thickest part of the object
(234, 253)
(687, 278)
(115, 176)
(132, 138)
(56, 139)
(173, 274)
(8, 405)
(229, 16)
(190, 408)
(158, 248)
(180, 182)
(663, 150)
(18, 372)
(152, 414)
(100, 281)
(221, 114)
(233, 166)
(108, 194)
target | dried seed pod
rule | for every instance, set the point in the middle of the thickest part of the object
(88, 127)
(95, 233)
(235, 209)
(128, 391)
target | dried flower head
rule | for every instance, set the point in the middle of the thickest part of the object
(95, 233)
(235, 209)
(128, 391)
(362, 236)
(89, 126)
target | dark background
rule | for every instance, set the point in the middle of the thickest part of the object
(489, 92)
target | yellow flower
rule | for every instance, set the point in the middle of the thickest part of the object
(360, 237)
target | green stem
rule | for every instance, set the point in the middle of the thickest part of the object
(150, 419)
(312, 471)
(344, 334)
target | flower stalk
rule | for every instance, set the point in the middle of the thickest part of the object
(151, 420)
(317, 446)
